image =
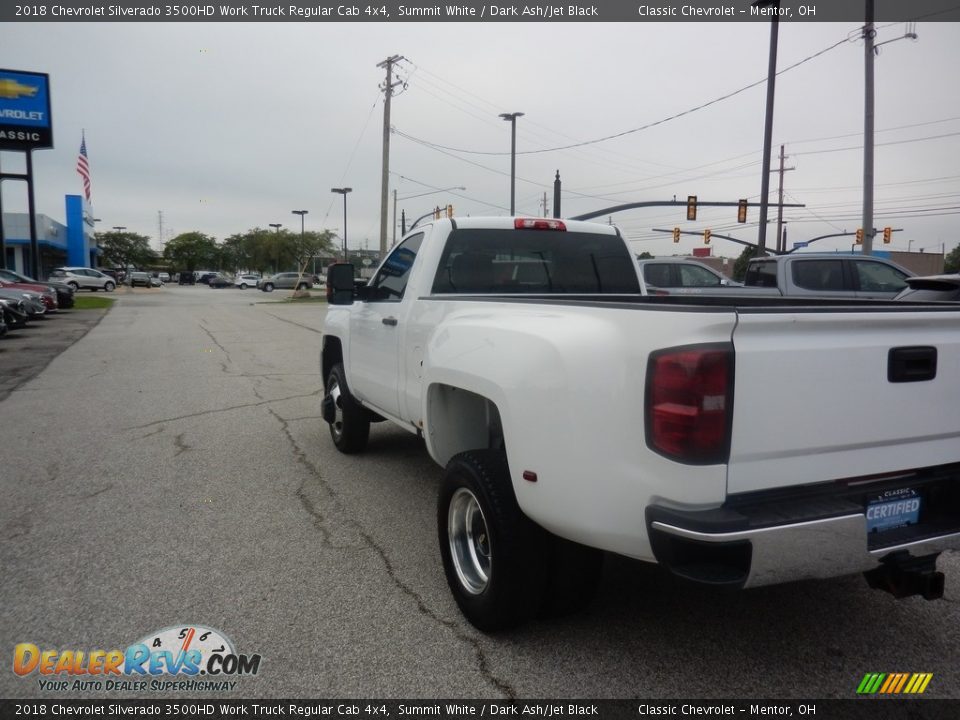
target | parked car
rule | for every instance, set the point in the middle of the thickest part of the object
(155, 281)
(931, 287)
(164, 277)
(44, 293)
(32, 302)
(186, 277)
(220, 281)
(14, 312)
(139, 278)
(117, 275)
(285, 281)
(827, 275)
(64, 292)
(206, 277)
(682, 273)
(81, 277)
(246, 280)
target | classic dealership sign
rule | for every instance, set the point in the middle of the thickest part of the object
(25, 121)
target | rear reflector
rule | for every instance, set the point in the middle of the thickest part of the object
(538, 224)
(689, 403)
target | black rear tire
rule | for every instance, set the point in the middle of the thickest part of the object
(350, 428)
(492, 553)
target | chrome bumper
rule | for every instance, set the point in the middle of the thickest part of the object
(823, 548)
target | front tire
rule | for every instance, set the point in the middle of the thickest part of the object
(75, 286)
(350, 427)
(492, 553)
(268, 287)
(109, 287)
(243, 286)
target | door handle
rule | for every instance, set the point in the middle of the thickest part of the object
(391, 321)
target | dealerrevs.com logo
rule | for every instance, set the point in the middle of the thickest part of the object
(197, 658)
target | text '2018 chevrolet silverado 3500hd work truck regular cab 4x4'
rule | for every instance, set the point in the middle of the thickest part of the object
(736, 441)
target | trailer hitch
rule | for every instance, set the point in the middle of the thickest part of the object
(903, 575)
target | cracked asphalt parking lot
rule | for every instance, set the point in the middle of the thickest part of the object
(171, 468)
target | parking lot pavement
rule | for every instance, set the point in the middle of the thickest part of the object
(25, 352)
(170, 469)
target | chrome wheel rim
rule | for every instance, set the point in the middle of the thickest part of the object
(469, 541)
(336, 427)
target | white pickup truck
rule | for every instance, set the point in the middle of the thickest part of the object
(736, 441)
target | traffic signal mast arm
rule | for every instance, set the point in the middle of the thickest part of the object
(672, 203)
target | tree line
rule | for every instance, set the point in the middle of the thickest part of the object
(256, 250)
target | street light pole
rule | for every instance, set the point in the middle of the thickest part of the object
(343, 191)
(301, 213)
(277, 226)
(512, 118)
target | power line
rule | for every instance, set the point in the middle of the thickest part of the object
(633, 130)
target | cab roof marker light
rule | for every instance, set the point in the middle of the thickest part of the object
(539, 224)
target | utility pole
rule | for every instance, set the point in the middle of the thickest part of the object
(556, 195)
(387, 88)
(394, 240)
(160, 228)
(781, 243)
(545, 209)
(869, 33)
(768, 122)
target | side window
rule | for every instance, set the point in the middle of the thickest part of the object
(818, 274)
(657, 274)
(879, 277)
(695, 276)
(390, 281)
(761, 274)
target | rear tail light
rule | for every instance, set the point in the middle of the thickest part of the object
(538, 224)
(689, 403)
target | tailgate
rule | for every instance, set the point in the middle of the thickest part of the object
(822, 395)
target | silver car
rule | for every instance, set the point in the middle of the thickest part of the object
(286, 281)
(246, 280)
(80, 277)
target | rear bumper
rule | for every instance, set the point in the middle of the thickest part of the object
(819, 532)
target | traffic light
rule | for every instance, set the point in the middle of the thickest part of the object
(676, 234)
(742, 211)
(859, 236)
(449, 211)
(706, 237)
(691, 207)
(887, 232)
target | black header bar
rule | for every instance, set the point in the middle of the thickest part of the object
(392, 11)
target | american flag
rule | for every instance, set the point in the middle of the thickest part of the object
(83, 166)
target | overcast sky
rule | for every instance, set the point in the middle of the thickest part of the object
(225, 127)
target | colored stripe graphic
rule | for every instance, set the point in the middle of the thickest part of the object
(894, 683)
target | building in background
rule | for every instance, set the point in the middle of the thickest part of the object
(72, 244)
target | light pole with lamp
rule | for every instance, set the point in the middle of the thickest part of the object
(301, 213)
(512, 118)
(343, 191)
(277, 226)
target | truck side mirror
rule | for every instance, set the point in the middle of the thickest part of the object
(340, 284)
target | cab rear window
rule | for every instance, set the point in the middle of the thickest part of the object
(534, 261)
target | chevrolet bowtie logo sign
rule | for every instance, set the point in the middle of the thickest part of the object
(11, 89)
